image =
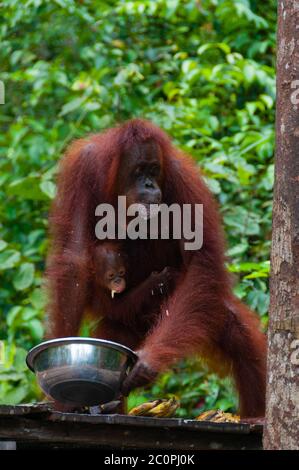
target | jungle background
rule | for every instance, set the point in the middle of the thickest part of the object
(203, 70)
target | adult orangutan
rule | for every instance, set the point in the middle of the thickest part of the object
(195, 311)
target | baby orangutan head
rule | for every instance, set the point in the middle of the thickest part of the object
(110, 267)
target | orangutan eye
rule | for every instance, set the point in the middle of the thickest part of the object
(137, 172)
(155, 170)
(110, 276)
(121, 272)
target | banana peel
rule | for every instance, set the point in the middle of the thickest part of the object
(162, 408)
(142, 410)
(218, 416)
(166, 408)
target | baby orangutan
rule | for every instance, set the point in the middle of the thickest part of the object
(110, 267)
(117, 299)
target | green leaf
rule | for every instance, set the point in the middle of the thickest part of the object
(224, 404)
(219, 45)
(48, 188)
(36, 329)
(11, 376)
(213, 185)
(24, 277)
(13, 313)
(20, 360)
(268, 100)
(28, 313)
(238, 249)
(8, 259)
(3, 245)
(38, 298)
(27, 188)
(15, 395)
(256, 274)
(72, 106)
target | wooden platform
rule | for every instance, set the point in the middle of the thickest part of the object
(39, 426)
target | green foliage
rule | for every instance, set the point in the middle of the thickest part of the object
(16, 384)
(196, 389)
(202, 70)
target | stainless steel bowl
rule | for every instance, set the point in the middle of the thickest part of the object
(81, 371)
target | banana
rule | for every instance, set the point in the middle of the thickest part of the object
(207, 415)
(227, 418)
(218, 416)
(166, 409)
(141, 410)
(157, 408)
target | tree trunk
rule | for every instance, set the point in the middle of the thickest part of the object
(282, 416)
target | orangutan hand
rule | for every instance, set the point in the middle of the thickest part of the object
(141, 374)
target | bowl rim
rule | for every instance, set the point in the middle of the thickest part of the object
(36, 350)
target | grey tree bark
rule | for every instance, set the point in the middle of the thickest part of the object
(282, 415)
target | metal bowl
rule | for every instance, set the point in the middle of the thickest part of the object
(81, 371)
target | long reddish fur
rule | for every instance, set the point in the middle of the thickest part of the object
(200, 316)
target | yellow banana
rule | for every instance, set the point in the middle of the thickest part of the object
(141, 410)
(157, 408)
(165, 409)
(207, 415)
(218, 416)
(227, 418)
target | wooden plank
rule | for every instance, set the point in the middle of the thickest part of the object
(25, 409)
(121, 436)
(37, 424)
(142, 421)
